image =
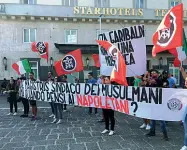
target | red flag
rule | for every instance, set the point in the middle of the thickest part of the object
(41, 48)
(71, 62)
(169, 32)
(96, 60)
(119, 71)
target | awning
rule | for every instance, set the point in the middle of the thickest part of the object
(86, 48)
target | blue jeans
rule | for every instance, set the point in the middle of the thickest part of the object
(162, 125)
(185, 131)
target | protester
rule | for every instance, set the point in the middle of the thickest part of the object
(184, 75)
(58, 108)
(171, 81)
(24, 101)
(144, 83)
(102, 81)
(99, 80)
(175, 80)
(91, 80)
(137, 81)
(161, 81)
(3, 85)
(33, 102)
(12, 91)
(64, 79)
(108, 115)
(50, 79)
(77, 80)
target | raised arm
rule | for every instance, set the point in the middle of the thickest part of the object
(184, 75)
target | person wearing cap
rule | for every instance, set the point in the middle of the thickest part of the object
(91, 80)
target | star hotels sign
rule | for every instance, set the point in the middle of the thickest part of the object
(119, 11)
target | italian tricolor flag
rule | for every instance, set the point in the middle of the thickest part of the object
(180, 53)
(22, 67)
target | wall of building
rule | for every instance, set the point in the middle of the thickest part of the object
(12, 46)
(49, 2)
(86, 3)
(185, 4)
(9, 1)
(121, 3)
(150, 4)
(156, 4)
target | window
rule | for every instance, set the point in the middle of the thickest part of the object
(139, 4)
(174, 71)
(34, 69)
(174, 3)
(29, 35)
(98, 72)
(28, 1)
(71, 36)
(102, 3)
(102, 31)
(70, 2)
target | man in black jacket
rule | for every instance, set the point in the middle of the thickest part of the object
(161, 81)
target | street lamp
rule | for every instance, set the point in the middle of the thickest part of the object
(51, 61)
(5, 62)
(160, 62)
(100, 23)
(87, 62)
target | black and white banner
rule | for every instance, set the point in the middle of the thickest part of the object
(131, 43)
(144, 102)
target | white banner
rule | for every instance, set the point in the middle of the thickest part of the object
(131, 43)
(144, 102)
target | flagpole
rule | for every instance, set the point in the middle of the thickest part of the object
(100, 28)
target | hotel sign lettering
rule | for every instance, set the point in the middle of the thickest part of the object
(118, 11)
(108, 11)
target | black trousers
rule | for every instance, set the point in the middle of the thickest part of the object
(90, 110)
(109, 116)
(13, 104)
(25, 105)
(64, 107)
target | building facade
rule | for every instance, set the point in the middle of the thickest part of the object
(70, 24)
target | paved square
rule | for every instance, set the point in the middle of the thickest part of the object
(80, 131)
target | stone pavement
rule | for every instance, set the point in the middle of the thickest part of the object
(80, 131)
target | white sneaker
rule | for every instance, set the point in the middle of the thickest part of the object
(105, 131)
(52, 115)
(111, 133)
(15, 114)
(64, 110)
(9, 114)
(143, 126)
(148, 127)
(54, 121)
(59, 121)
(184, 148)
